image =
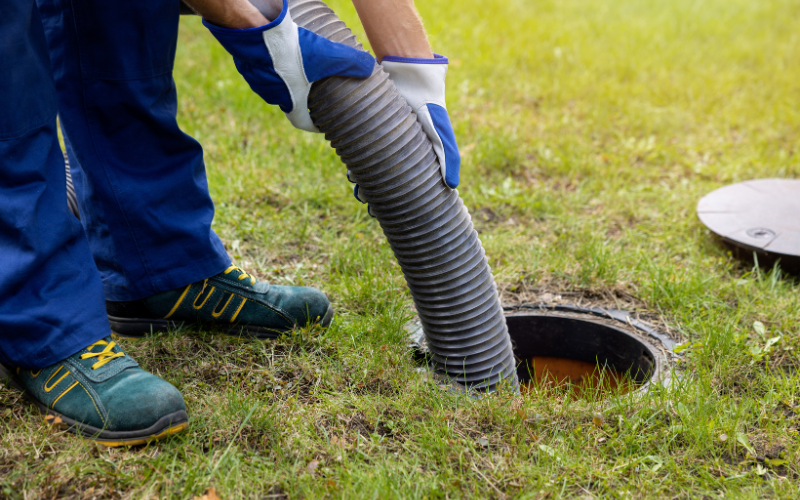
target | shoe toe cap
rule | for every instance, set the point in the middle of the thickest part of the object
(305, 305)
(140, 400)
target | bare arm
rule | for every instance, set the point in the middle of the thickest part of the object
(393, 28)
(237, 14)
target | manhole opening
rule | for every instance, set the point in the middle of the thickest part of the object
(587, 351)
(557, 352)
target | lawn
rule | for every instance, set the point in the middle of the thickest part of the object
(588, 130)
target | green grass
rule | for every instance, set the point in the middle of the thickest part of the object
(589, 130)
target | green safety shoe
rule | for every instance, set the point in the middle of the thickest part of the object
(100, 393)
(232, 301)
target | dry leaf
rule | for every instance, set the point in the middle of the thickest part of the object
(312, 466)
(53, 420)
(209, 494)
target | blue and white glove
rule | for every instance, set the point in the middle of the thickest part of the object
(280, 60)
(421, 83)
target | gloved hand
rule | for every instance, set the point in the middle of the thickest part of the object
(280, 60)
(421, 83)
(355, 193)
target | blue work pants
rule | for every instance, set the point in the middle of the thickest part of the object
(141, 184)
(51, 295)
(140, 181)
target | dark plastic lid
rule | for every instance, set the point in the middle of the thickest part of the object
(761, 215)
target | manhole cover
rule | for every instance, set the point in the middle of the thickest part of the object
(761, 216)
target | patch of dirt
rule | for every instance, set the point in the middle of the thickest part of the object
(257, 440)
(344, 426)
(276, 493)
(617, 297)
(66, 488)
(377, 386)
(523, 291)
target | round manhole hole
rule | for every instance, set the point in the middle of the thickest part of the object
(592, 350)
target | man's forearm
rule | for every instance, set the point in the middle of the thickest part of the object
(237, 14)
(393, 28)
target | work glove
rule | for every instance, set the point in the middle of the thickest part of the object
(280, 61)
(421, 83)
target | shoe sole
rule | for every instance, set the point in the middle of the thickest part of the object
(166, 426)
(135, 328)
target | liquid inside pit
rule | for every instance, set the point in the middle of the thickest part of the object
(560, 375)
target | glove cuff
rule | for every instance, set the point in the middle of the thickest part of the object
(420, 81)
(437, 59)
(247, 44)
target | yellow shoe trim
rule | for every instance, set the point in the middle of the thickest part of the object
(210, 293)
(48, 389)
(175, 307)
(103, 356)
(218, 314)
(36, 374)
(135, 442)
(64, 393)
(242, 276)
(238, 310)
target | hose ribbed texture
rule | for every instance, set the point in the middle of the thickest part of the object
(72, 200)
(377, 136)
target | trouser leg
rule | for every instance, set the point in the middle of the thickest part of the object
(140, 180)
(51, 296)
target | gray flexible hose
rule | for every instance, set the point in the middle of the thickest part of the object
(72, 200)
(377, 136)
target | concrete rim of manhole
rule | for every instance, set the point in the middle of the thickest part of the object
(626, 334)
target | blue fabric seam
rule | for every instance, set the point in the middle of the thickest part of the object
(145, 263)
(40, 122)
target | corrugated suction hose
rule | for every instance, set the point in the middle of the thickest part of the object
(377, 136)
(72, 200)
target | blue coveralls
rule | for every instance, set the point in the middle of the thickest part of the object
(142, 191)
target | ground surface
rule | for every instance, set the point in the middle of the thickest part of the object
(589, 130)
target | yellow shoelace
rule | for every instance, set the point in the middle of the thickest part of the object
(103, 356)
(242, 276)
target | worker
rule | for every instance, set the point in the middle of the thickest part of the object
(143, 257)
